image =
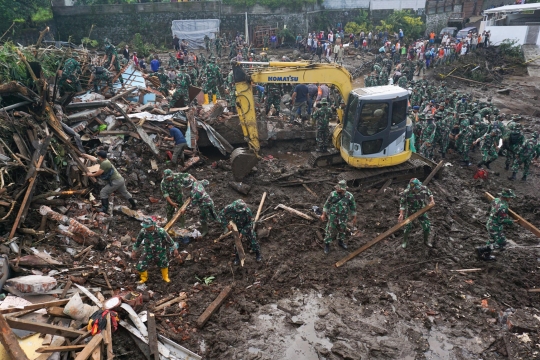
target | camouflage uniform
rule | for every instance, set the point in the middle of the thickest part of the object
(463, 124)
(468, 135)
(172, 61)
(212, 75)
(274, 94)
(338, 207)
(420, 66)
(461, 107)
(101, 74)
(231, 96)
(239, 213)
(173, 189)
(527, 151)
(427, 140)
(218, 46)
(498, 216)
(157, 244)
(415, 197)
(489, 146)
(110, 51)
(322, 116)
(207, 43)
(513, 139)
(164, 82)
(182, 81)
(402, 81)
(69, 81)
(200, 198)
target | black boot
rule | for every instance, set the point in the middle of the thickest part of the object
(104, 206)
(342, 244)
(258, 256)
(236, 261)
(513, 177)
(443, 155)
(133, 204)
(326, 248)
(484, 253)
(507, 167)
(524, 178)
(427, 240)
(487, 164)
(481, 163)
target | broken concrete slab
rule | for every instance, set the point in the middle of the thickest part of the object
(33, 283)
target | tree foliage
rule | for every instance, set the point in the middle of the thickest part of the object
(23, 12)
(411, 24)
(273, 4)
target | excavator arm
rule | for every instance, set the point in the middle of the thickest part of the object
(275, 72)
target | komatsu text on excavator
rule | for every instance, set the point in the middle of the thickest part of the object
(372, 133)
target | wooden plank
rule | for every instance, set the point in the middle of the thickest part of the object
(467, 270)
(36, 306)
(96, 355)
(57, 341)
(310, 191)
(108, 331)
(214, 306)
(10, 342)
(51, 349)
(238, 243)
(90, 347)
(260, 207)
(66, 288)
(83, 252)
(521, 221)
(294, 211)
(176, 216)
(56, 311)
(166, 298)
(433, 172)
(385, 185)
(43, 328)
(533, 290)
(152, 337)
(223, 236)
(182, 296)
(384, 235)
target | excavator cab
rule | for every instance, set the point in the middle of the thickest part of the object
(375, 132)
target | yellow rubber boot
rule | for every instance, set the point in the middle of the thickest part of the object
(165, 274)
(144, 277)
(214, 98)
(205, 99)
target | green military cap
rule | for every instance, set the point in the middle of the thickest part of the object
(516, 117)
(468, 112)
(324, 101)
(182, 67)
(421, 116)
(463, 116)
(415, 183)
(167, 172)
(148, 222)
(341, 185)
(535, 135)
(507, 193)
(438, 114)
(187, 182)
(496, 111)
(429, 116)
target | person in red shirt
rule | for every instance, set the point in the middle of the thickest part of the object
(135, 59)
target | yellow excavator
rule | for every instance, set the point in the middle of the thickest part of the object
(372, 134)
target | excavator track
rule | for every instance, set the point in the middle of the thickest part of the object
(417, 166)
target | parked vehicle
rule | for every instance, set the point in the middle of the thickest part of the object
(465, 31)
(451, 31)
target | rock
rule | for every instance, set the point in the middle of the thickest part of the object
(296, 54)
(32, 283)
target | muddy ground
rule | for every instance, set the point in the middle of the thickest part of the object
(387, 303)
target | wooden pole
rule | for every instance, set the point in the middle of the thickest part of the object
(176, 216)
(152, 337)
(108, 331)
(433, 172)
(521, 221)
(259, 211)
(384, 235)
(294, 211)
(214, 306)
(223, 236)
(10, 342)
(238, 243)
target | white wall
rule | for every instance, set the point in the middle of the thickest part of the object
(346, 4)
(374, 4)
(500, 33)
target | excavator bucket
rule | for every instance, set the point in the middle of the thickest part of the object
(242, 161)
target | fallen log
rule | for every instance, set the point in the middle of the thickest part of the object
(75, 227)
(294, 211)
(214, 306)
(238, 243)
(384, 235)
(385, 185)
(10, 342)
(521, 221)
(178, 214)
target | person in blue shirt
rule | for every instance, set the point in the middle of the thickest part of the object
(179, 143)
(299, 101)
(155, 64)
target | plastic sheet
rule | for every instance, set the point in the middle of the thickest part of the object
(194, 30)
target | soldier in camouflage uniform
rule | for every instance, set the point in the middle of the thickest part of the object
(322, 117)
(193, 73)
(171, 189)
(112, 58)
(427, 139)
(207, 43)
(420, 67)
(490, 146)
(527, 151)
(163, 82)
(218, 46)
(210, 86)
(468, 135)
(414, 198)
(513, 138)
(69, 80)
(231, 92)
(463, 124)
(199, 197)
(98, 75)
(337, 209)
(461, 106)
(172, 61)
(157, 245)
(498, 217)
(182, 83)
(402, 81)
(240, 214)
(273, 97)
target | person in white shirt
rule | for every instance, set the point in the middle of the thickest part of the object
(336, 50)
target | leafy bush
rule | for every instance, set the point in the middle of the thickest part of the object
(42, 14)
(352, 28)
(89, 42)
(510, 49)
(143, 50)
(287, 35)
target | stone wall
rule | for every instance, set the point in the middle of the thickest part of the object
(436, 22)
(153, 20)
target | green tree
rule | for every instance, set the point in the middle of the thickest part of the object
(22, 11)
(411, 24)
(352, 28)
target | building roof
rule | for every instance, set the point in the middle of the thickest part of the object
(513, 8)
